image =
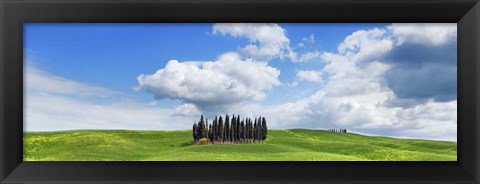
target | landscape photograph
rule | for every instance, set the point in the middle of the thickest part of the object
(240, 92)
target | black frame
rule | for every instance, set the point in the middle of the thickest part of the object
(13, 13)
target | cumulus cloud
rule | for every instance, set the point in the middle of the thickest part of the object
(309, 75)
(366, 45)
(267, 41)
(308, 56)
(424, 62)
(212, 85)
(377, 82)
(187, 109)
(364, 80)
(429, 34)
(306, 75)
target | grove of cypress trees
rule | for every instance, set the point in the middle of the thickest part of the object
(234, 130)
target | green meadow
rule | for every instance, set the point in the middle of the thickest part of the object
(281, 145)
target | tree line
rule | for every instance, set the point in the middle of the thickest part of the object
(230, 130)
(336, 130)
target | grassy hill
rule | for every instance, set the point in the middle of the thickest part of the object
(281, 145)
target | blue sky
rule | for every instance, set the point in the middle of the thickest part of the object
(310, 71)
(83, 52)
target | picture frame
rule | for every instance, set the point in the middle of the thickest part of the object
(466, 13)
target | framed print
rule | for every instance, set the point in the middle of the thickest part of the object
(279, 91)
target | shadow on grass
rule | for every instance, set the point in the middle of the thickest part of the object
(185, 144)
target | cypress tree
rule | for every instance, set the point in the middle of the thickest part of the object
(220, 126)
(215, 129)
(247, 126)
(252, 136)
(210, 138)
(227, 127)
(251, 130)
(264, 126)
(254, 130)
(232, 132)
(238, 128)
(242, 131)
(259, 127)
(206, 128)
(200, 128)
(194, 132)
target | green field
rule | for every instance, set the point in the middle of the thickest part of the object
(281, 145)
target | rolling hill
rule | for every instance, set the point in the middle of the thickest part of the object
(281, 145)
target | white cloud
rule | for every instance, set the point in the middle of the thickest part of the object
(306, 75)
(40, 80)
(300, 44)
(267, 41)
(431, 33)
(366, 45)
(308, 56)
(55, 103)
(309, 75)
(187, 109)
(356, 94)
(310, 39)
(212, 84)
